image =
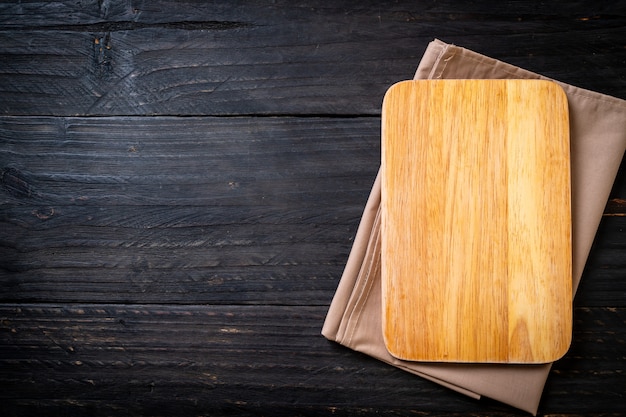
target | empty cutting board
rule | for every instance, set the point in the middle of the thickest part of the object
(476, 221)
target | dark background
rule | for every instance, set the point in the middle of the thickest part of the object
(181, 183)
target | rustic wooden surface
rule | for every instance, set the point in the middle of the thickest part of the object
(181, 183)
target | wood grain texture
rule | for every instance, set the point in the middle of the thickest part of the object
(181, 210)
(128, 243)
(276, 217)
(476, 261)
(264, 57)
(113, 360)
(217, 359)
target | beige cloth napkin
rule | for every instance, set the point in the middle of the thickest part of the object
(598, 141)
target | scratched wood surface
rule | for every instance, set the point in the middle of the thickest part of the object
(181, 183)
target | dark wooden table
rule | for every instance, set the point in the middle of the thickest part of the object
(182, 181)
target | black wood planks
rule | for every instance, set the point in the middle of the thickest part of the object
(181, 210)
(155, 58)
(250, 358)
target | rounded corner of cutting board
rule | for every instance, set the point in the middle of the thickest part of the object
(396, 350)
(397, 88)
(566, 345)
(537, 92)
(389, 343)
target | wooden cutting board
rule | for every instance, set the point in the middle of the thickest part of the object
(476, 221)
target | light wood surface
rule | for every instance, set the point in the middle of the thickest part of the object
(476, 260)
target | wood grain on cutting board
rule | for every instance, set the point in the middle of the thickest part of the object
(476, 259)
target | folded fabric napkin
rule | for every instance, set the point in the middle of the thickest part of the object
(598, 141)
